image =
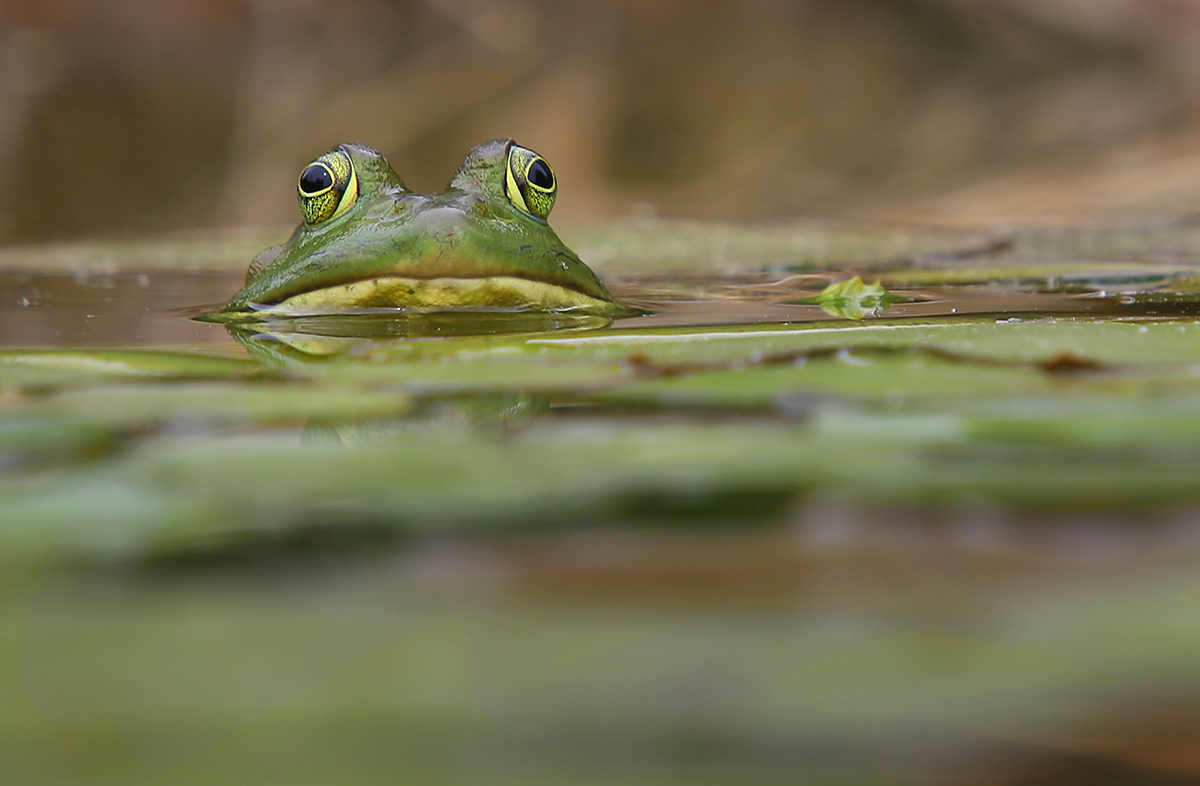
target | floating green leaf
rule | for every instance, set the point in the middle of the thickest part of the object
(851, 299)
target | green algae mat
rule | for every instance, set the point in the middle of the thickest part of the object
(843, 505)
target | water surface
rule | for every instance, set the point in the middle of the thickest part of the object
(735, 534)
(154, 307)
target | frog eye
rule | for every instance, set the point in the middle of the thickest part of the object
(530, 182)
(327, 188)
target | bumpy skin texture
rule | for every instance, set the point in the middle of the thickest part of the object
(468, 247)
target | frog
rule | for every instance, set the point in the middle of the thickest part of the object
(368, 243)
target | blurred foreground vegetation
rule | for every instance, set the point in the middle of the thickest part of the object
(925, 546)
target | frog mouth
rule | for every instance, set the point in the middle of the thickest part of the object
(434, 294)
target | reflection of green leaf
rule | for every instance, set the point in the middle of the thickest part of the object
(851, 299)
(38, 367)
(33, 439)
(220, 402)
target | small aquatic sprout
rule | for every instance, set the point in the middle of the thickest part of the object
(852, 299)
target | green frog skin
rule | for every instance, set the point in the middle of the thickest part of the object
(368, 242)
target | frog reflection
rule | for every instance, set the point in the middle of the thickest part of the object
(302, 340)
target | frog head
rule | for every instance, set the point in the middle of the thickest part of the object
(367, 242)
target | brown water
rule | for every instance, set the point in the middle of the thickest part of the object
(126, 309)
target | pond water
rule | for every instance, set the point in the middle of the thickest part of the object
(735, 537)
(155, 307)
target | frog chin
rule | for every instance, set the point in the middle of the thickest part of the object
(508, 293)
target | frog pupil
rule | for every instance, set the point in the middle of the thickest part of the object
(540, 175)
(315, 178)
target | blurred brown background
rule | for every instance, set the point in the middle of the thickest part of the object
(133, 116)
